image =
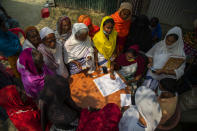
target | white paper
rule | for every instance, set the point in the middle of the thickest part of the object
(108, 86)
(125, 99)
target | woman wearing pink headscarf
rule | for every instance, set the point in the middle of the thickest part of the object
(33, 71)
(131, 65)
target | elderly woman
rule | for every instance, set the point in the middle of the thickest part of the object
(32, 38)
(105, 43)
(122, 19)
(33, 70)
(52, 52)
(172, 45)
(9, 46)
(63, 29)
(78, 49)
(93, 29)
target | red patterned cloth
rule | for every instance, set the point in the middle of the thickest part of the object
(25, 116)
(190, 51)
(106, 119)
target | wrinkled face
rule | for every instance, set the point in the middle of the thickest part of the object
(130, 57)
(170, 40)
(50, 41)
(34, 37)
(108, 28)
(38, 60)
(82, 36)
(125, 13)
(66, 26)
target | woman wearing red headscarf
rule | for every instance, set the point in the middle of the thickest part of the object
(93, 29)
(131, 65)
(122, 19)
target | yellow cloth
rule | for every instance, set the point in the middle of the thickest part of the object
(12, 61)
(105, 46)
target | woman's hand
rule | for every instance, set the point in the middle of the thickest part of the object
(112, 76)
(77, 64)
(150, 65)
(159, 71)
(150, 60)
(89, 58)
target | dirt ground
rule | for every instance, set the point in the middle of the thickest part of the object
(27, 12)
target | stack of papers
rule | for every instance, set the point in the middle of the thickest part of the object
(107, 86)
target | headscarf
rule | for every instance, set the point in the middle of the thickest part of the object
(45, 31)
(88, 22)
(177, 47)
(122, 61)
(161, 52)
(33, 81)
(122, 26)
(58, 31)
(27, 43)
(105, 46)
(76, 49)
(125, 5)
(29, 28)
(148, 106)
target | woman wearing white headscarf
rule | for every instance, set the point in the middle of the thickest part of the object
(78, 50)
(145, 115)
(172, 45)
(52, 52)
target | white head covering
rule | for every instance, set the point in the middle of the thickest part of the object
(76, 49)
(148, 106)
(45, 31)
(77, 27)
(177, 47)
(126, 5)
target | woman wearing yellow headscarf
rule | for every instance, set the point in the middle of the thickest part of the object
(105, 42)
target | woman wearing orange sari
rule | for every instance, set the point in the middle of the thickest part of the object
(122, 19)
(93, 29)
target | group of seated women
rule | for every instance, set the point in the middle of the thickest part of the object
(48, 59)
